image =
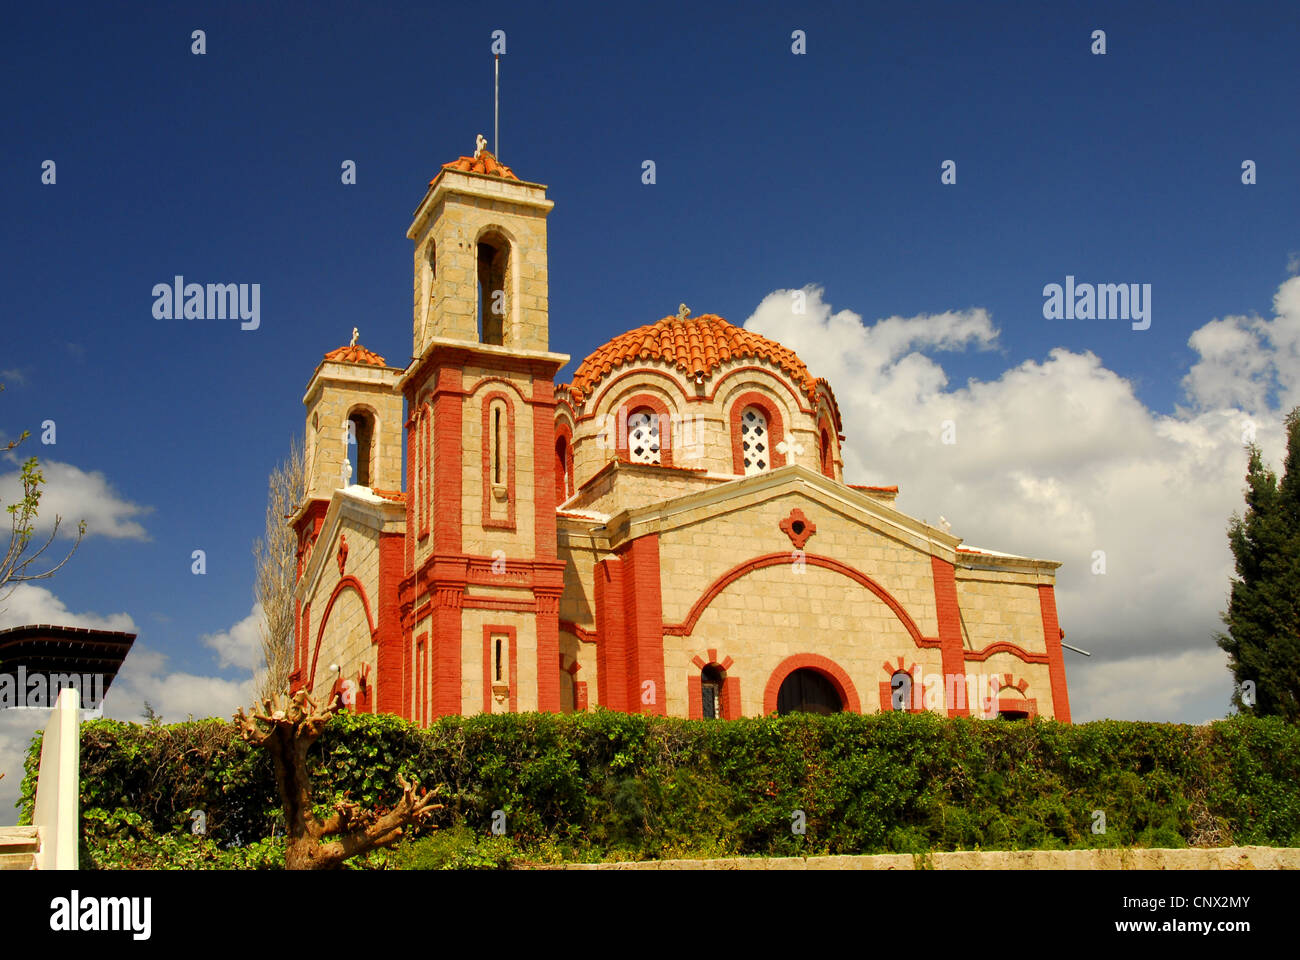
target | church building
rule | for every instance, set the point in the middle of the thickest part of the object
(668, 533)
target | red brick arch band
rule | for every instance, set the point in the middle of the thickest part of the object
(811, 661)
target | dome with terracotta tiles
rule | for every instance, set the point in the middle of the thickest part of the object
(355, 353)
(692, 345)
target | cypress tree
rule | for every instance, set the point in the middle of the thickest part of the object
(1263, 618)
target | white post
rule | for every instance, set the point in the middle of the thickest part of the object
(58, 786)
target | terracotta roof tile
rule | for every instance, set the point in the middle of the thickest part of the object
(695, 344)
(483, 163)
(355, 354)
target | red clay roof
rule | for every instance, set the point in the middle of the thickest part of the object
(396, 495)
(694, 345)
(483, 163)
(355, 354)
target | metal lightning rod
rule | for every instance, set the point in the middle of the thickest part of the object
(496, 111)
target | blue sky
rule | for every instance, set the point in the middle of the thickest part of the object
(774, 171)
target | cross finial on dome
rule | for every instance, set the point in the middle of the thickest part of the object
(480, 144)
(353, 341)
(683, 311)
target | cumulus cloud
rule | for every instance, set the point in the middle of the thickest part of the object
(1058, 458)
(241, 645)
(74, 495)
(29, 603)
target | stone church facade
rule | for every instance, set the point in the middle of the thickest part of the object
(669, 533)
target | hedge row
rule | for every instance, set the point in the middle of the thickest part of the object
(607, 784)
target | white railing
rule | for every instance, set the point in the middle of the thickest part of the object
(58, 786)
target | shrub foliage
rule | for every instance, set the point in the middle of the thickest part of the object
(607, 785)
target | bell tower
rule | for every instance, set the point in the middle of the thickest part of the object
(482, 584)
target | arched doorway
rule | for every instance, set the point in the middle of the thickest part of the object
(808, 691)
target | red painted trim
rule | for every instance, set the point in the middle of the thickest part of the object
(490, 522)
(390, 635)
(1053, 634)
(412, 483)
(426, 459)
(826, 449)
(633, 405)
(887, 687)
(595, 404)
(563, 463)
(686, 627)
(447, 639)
(611, 651)
(582, 633)
(1005, 646)
(643, 619)
(548, 571)
(949, 613)
(489, 674)
(344, 583)
(730, 698)
(811, 661)
(775, 430)
(499, 603)
(447, 470)
(1017, 705)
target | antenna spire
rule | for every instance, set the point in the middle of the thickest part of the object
(496, 110)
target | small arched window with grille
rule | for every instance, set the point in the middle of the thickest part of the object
(643, 436)
(754, 441)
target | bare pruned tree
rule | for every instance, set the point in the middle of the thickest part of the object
(15, 563)
(288, 732)
(275, 557)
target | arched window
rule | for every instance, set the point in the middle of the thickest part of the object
(807, 691)
(711, 678)
(561, 469)
(754, 441)
(827, 457)
(493, 271)
(361, 431)
(643, 436)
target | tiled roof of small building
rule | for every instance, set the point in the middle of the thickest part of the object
(483, 163)
(355, 354)
(693, 345)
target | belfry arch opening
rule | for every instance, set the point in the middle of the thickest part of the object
(361, 431)
(493, 295)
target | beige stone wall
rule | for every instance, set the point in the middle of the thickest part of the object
(473, 622)
(1000, 610)
(695, 555)
(346, 639)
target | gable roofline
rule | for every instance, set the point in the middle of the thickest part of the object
(374, 512)
(691, 507)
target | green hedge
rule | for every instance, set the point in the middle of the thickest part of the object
(611, 785)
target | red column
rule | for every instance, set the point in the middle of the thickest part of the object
(1055, 653)
(611, 642)
(643, 616)
(945, 600)
(387, 680)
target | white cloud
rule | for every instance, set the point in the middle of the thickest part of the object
(1058, 458)
(29, 603)
(75, 494)
(241, 645)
